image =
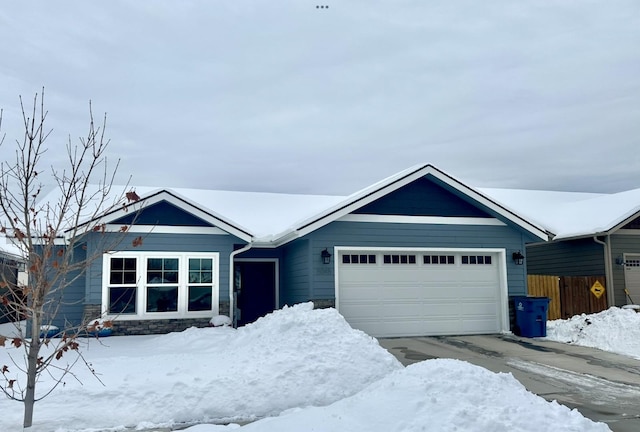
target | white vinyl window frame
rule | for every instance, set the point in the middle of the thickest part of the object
(141, 285)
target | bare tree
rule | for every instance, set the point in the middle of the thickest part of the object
(51, 236)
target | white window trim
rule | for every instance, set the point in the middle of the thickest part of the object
(183, 285)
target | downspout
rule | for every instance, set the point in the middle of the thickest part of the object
(607, 268)
(231, 279)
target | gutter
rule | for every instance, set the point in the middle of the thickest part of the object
(607, 268)
(231, 280)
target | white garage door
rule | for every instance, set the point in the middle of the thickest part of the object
(632, 277)
(422, 292)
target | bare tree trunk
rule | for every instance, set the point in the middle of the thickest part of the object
(32, 369)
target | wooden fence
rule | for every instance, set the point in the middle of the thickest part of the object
(570, 295)
(547, 286)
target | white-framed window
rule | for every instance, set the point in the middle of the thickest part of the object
(157, 285)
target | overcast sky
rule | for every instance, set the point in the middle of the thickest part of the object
(284, 96)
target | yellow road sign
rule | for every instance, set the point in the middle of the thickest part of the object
(597, 289)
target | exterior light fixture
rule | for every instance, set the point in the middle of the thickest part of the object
(518, 258)
(326, 256)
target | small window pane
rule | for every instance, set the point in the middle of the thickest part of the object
(199, 298)
(465, 259)
(117, 264)
(395, 259)
(487, 259)
(129, 278)
(387, 259)
(171, 277)
(354, 259)
(162, 299)
(480, 260)
(170, 264)
(206, 276)
(472, 259)
(130, 264)
(442, 259)
(403, 259)
(412, 259)
(194, 277)
(426, 259)
(372, 259)
(154, 264)
(450, 259)
(346, 259)
(116, 278)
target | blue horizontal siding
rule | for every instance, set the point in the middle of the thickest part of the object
(422, 197)
(358, 234)
(161, 213)
(581, 257)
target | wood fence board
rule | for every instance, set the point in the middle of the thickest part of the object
(546, 286)
(576, 297)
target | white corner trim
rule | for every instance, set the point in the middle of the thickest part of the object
(440, 220)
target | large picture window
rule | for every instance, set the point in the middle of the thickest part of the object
(160, 285)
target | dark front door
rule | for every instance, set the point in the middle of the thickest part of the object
(255, 289)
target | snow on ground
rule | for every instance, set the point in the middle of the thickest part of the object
(616, 330)
(296, 369)
(294, 357)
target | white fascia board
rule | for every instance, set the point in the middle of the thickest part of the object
(623, 222)
(489, 203)
(166, 229)
(180, 202)
(431, 220)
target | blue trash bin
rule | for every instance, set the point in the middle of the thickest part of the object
(531, 316)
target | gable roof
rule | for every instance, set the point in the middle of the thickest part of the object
(272, 219)
(572, 214)
(395, 182)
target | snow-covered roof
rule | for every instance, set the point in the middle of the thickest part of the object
(263, 214)
(571, 214)
(275, 218)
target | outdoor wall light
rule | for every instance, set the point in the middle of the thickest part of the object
(518, 258)
(620, 261)
(326, 256)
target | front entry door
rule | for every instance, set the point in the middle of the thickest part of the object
(255, 285)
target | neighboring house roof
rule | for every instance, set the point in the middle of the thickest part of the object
(572, 214)
(274, 219)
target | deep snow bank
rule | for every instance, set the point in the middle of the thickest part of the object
(434, 395)
(294, 357)
(616, 330)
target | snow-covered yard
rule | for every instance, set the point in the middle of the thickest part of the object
(296, 369)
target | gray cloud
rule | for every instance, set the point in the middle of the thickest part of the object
(285, 97)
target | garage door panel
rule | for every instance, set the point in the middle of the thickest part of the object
(438, 298)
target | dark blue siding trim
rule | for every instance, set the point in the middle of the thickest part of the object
(162, 213)
(422, 198)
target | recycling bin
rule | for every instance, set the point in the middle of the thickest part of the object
(531, 316)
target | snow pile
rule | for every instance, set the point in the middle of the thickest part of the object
(294, 357)
(437, 395)
(295, 369)
(616, 330)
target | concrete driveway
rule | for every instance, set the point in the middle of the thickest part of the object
(604, 387)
